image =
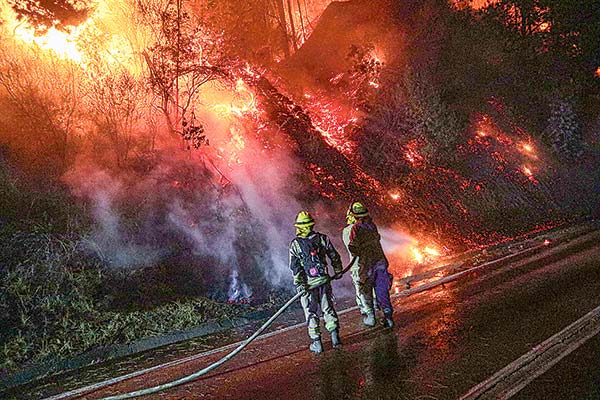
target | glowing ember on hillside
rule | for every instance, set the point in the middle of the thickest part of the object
(431, 251)
(544, 27)
(411, 153)
(332, 120)
(529, 174)
(395, 195)
(528, 149)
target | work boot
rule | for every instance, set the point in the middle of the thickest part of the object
(316, 346)
(388, 323)
(369, 319)
(335, 339)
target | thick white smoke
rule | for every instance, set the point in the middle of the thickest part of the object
(231, 205)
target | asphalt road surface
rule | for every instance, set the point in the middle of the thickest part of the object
(447, 342)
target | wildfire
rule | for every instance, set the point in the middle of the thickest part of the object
(424, 254)
(100, 38)
(331, 120)
(431, 251)
(242, 103)
(418, 255)
(411, 153)
(528, 149)
(63, 44)
(394, 194)
(528, 173)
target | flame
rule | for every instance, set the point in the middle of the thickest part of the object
(394, 194)
(62, 43)
(101, 38)
(417, 255)
(424, 254)
(597, 73)
(411, 153)
(528, 148)
(529, 174)
(431, 251)
(241, 104)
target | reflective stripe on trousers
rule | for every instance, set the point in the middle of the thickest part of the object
(315, 302)
(364, 292)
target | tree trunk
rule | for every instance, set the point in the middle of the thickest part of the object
(292, 27)
(279, 6)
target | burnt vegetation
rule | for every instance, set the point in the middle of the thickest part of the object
(125, 209)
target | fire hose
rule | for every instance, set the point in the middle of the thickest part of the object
(229, 356)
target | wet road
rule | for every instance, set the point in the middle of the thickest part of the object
(446, 341)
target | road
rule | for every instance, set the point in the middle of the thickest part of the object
(447, 340)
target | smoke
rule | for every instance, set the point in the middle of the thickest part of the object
(226, 210)
(396, 246)
(108, 239)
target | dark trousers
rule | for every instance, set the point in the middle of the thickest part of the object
(382, 282)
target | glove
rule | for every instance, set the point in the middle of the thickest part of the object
(302, 288)
(300, 282)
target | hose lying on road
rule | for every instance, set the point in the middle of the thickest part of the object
(229, 356)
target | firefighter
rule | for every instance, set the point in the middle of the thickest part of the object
(370, 271)
(360, 278)
(309, 251)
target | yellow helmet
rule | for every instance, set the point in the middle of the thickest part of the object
(357, 210)
(304, 219)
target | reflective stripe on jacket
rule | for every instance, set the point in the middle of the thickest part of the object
(308, 258)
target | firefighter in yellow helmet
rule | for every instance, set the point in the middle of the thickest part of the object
(360, 278)
(309, 251)
(370, 271)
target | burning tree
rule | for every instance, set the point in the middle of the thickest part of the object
(425, 113)
(183, 58)
(33, 103)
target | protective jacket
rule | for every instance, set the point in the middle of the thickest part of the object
(308, 259)
(365, 243)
